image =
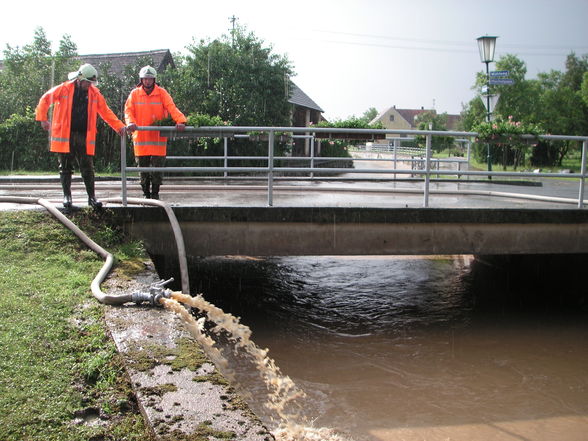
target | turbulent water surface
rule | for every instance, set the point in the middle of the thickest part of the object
(417, 348)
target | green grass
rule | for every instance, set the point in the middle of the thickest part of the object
(26, 172)
(57, 359)
(54, 173)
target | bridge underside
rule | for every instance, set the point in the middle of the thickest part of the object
(280, 231)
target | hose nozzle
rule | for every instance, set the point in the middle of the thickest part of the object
(155, 294)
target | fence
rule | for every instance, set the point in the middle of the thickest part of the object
(425, 170)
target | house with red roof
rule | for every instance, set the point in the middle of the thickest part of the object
(407, 119)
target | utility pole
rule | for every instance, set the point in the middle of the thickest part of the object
(233, 20)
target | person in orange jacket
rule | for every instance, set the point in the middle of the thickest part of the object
(73, 128)
(147, 103)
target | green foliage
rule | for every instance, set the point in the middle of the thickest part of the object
(507, 130)
(24, 144)
(436, 122)
(584, 89)
(237, 78)
(335, 149)
(205, 120)
(206, 146)
(164, 122)
(194, 120)
(506, 135)
(350, 123)
(554, 102)
(339, 148)
(369, 114)
(30, 71)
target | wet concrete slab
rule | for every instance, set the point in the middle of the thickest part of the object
(179, 391)
(323, 192)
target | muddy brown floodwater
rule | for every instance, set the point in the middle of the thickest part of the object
(415, 348)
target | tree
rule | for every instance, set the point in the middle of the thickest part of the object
(369, 115)
(575, 69)
(553, 101)
(434, 121)
(584, 89)
(237, 78)
(517, 100)
(32, 70)
(561, 110)
(27, 74)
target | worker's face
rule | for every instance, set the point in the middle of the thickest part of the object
(148, 82)
(84, 85)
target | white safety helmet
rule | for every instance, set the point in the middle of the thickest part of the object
(147, 72)
(87, 72)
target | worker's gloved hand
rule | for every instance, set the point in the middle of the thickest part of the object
(122, 131)
(131, 127)
(180, 127)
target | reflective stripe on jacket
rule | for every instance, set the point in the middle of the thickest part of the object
(143, 110)
(61, 97)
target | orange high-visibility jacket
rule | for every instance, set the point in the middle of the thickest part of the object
(143, 110)
(62, 98)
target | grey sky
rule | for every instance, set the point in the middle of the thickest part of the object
(349, 55)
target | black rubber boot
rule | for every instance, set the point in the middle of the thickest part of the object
(92, 201)
(146, 190)
(155, 192)
(65, 179)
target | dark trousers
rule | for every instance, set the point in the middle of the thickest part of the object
(153, 178)
(77, 154)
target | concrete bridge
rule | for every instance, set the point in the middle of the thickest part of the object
(280, 231)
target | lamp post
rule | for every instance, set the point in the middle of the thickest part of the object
(486, 45)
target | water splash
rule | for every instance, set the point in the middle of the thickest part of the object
(282, 391)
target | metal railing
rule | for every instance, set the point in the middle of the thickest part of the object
(271, 169)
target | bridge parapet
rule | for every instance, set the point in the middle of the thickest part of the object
(281, 231)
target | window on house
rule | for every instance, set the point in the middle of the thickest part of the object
(391, 117)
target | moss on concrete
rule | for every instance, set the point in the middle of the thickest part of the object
(159, 390)
(204, 432)
(186, 354)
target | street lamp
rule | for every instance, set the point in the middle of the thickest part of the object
(486, 45)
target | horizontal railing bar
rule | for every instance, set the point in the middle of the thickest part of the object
(233, 129)
(306, 158)
(353, 171)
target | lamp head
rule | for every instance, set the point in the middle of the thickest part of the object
(486, 45)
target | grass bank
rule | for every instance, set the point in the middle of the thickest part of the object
(61, 378)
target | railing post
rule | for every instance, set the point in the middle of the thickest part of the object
(123, 168)
(312, 155)
(395, 158)
(226, 151)
(270, 171)
(583, 172)
(469, 156)
(427, 171)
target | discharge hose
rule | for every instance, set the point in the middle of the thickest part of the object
(173, 220)
(107, 299)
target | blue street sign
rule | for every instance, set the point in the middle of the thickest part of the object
(502, 81)
(499, 73)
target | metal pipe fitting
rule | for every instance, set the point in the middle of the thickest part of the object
(155, 294)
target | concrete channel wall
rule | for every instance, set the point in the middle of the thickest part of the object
(281, 231)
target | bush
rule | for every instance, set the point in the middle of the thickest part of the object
(24, 144)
